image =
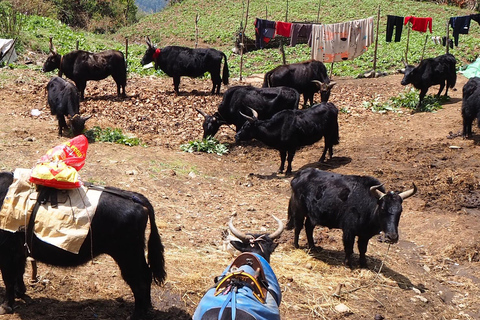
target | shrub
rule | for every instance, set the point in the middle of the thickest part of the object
(111, 135)
(209, 145)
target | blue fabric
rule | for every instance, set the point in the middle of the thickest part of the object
(245, 300)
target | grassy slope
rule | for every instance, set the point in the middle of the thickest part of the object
(220, 19)
(175, 25)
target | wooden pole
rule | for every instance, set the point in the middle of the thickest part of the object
(318, 12)
(376, 45)
(408, 39)
(126, 52)
(286, 13)
(331, 70)
(243, 39)
(196, 30)
(447, 45)
(424, 46)
(76, 45)
(282, 51)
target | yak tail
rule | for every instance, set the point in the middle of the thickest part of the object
(290, 223)
(156, 259)
(226, 72)
(266, 80)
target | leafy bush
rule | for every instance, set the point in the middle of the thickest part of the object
(409, 99)
(209, 145)
(381, 107)
(111, 135)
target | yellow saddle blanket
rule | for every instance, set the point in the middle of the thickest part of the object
(65, 226)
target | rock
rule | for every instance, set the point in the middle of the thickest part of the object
(342, 308)
(421, 298)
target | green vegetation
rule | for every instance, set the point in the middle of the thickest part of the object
(408, 100)
(208, 145)
(216, 28)
(111, 135)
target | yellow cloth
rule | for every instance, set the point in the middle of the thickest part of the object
(65, 226)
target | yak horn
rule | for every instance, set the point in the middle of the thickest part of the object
(202, 113)
(52, 48)
(377, 193)
(255, 113)
(279, 230)
(404, 195)
(237, 233)
(149, 43)
(247, 117)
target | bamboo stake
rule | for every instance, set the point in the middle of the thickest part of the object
(376, 45)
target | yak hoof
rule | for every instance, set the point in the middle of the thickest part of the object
(4, 309)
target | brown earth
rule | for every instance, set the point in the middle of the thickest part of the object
(432, 273)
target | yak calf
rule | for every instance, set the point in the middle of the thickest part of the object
(64, 101)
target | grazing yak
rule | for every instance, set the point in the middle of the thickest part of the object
(81, 66)
(432, 71)
(64, 101)
(358, 205)
(470, 105)
(178, 61)
(266, 101)
(247, 289)
(117, 229)
(288, 130)
(306, 77)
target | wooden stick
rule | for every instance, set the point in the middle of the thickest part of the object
(126, 52)
(376, 45)
(318, 12)
(196, 30)
(243, 39)
(286, 13)
(424, 45)
(447, 45)
(408, 40)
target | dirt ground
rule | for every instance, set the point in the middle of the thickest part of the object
(432, 273)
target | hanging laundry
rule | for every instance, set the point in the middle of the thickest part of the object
(444, 42)
(264, 31)
(341, 41)
(460, 25)
(419, 24)
(394, 22)
(300, 30)
(283, 28)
